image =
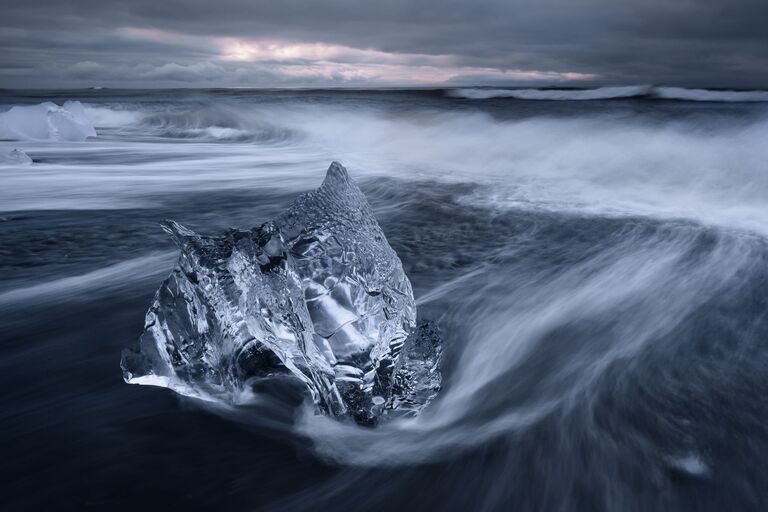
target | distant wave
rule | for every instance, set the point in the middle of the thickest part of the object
(600, 93)
(607, 93)
(679, 93)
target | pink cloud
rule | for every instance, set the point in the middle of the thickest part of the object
(302, 60)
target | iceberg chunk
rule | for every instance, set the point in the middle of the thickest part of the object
(317, 292)
(46, 121)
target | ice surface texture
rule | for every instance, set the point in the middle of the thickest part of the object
(46, 121)
(317, 292)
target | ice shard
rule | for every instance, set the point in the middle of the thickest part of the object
(317, 292)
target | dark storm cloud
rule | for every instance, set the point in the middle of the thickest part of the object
(175, 42)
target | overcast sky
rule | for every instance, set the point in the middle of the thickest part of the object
(277, 43)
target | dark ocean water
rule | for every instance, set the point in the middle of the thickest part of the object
(598, 268)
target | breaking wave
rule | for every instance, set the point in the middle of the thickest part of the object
(200, 122)
(709, 169)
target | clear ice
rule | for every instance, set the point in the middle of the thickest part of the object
(317, 292)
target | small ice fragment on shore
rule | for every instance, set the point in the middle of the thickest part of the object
(317, 292)
(14, 157)
(46, 121)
